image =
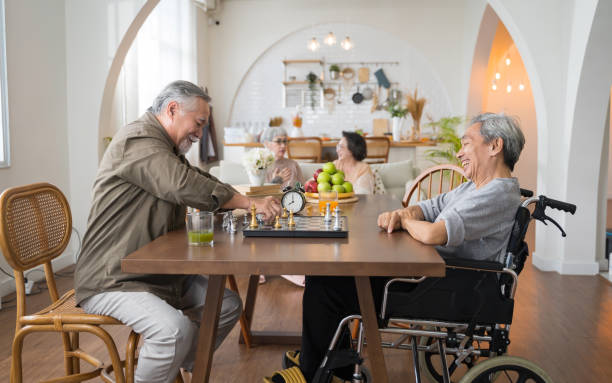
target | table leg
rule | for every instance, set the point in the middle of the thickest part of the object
(249, 304)
(245, 328)
(368, 313)
(208, 328)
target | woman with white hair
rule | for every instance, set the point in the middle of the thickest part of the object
(283, 171)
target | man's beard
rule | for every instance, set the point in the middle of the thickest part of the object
(184, 146)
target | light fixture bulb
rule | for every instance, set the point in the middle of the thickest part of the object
(347, 44)
(494, 87)
(330, 39)
(508, 61)
(509, 88)
(313, 44)
(497, 75)
(521, 86)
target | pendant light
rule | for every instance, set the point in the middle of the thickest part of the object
(330, 39)
(313, 44)
(347, 44)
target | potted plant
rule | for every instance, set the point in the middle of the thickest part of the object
(312, 79)
(256, 161)
(334, 72)
(397, 113)
(447, 135)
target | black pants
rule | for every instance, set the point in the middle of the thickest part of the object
(327, 300)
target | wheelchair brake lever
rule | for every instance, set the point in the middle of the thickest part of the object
(556, 224)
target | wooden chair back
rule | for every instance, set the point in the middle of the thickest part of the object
(377, 149)
(305, 148)
(35, 227)
(433, 181)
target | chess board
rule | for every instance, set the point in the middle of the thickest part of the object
(305, 227)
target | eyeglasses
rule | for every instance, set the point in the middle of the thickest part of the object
(279, 142)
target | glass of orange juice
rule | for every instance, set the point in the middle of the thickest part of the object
(330, 197)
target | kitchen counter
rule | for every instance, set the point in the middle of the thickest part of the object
(332, 143)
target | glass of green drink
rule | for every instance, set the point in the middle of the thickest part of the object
(200, 228)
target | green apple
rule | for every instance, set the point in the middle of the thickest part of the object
(329, 168)
(324, 177)
(340, 172)
(337, 179)
(323, 187)
(338, 188)
(348, 187)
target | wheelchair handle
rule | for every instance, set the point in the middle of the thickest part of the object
(559, 205)
(526, 193)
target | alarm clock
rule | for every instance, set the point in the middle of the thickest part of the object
(293, 199)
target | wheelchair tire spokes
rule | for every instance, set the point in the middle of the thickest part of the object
(506, 369)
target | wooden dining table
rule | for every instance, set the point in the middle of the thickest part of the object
(368, 251)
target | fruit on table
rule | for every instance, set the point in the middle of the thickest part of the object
(340, 172)
(317, 172)
(348, 187)
(323, 187)
(338, 188)
(323, 177)
(329, 168)
(311, 186)
(337, 179)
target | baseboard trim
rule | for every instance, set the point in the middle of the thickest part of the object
(565, 268)
(8, 285)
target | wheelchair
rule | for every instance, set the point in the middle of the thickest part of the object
(451, 323)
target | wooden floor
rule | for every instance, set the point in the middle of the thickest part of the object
(563, 323)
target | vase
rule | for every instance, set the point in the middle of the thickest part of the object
(415, 135)
(296, 132)
(257, 177)
(396, 128)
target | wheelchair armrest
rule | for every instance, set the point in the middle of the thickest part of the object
(474, 264)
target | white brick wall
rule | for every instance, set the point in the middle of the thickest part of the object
(260, 94)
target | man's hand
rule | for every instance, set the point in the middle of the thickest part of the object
(283, 173)
(395, 220)
(268, 206)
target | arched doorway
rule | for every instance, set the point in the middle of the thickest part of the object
(500, 84)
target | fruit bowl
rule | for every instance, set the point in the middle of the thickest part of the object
(340, 195)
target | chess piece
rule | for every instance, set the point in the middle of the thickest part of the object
(245, 220)
(328, 216)
(254, 224)
(291, 222)
(232, 225)
(284, 213)
(338, 221)
(277, 224)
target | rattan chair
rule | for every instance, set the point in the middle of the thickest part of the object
(35, 227)
(377, 149)
(437, 180)
(305, 148)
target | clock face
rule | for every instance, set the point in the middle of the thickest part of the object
(293, 201)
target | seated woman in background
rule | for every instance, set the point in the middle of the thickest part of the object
(351, 151)
(283, 171)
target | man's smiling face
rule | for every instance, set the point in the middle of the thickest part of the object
(188, 123)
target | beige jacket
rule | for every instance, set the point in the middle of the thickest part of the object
(140, 193)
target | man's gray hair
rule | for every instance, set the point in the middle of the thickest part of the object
(271, 132)
(183, 92)
(507, 128)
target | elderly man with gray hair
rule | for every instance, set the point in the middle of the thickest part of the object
(472, 221)
(142, 189)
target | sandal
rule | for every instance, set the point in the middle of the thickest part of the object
(289, 375)
(291, 359)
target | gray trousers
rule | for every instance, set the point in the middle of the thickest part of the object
(170, 336)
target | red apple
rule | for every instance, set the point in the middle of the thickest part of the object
(316, 173)
(311, 186)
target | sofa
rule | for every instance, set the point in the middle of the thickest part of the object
(395, 176)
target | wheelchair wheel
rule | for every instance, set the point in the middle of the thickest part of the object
(506, 369)
(429, 363)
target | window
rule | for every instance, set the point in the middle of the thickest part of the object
(4, 130)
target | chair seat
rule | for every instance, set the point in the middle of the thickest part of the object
(67, 312)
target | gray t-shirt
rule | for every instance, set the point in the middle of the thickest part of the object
(478, 221)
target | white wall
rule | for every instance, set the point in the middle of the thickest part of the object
(36, 70)
(248, 28)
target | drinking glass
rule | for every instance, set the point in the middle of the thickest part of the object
(200, 228)
(330, 197)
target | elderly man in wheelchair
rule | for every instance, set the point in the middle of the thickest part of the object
(451, 322)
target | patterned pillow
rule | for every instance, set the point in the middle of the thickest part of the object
(379, 186)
